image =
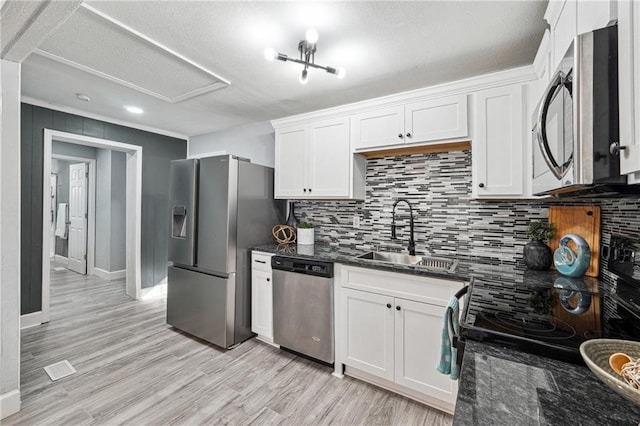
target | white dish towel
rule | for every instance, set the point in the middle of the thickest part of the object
(61, 223)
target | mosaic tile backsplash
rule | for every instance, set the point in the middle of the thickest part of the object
(448, 222)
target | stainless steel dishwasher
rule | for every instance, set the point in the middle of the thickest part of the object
(303, 306)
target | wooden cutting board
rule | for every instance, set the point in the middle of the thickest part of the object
(580, 220)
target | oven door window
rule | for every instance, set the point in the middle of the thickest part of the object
(555, 125)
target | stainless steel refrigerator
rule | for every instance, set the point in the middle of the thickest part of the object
(220, 206)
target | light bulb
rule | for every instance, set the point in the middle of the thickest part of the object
(270, 54)
(303, 77)
(311, 35)
(341, 72)
(133, 109)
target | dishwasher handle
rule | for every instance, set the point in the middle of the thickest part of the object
(302, 266)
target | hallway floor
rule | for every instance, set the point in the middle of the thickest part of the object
(132, 368)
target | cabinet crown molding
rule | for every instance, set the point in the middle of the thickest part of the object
(465, 86)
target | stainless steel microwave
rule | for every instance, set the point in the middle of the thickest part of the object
(576, 144)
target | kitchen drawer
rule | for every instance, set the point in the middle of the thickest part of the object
(261, 261)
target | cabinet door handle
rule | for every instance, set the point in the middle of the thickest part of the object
(309, 189)
(260, 261)
(400, 135)
(389, 305)
(481, 185)
(398, 308)
(408, 135)
(305, 190)
(268, 279)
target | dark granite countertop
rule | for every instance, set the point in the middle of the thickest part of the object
(348, 256)
(502, 386)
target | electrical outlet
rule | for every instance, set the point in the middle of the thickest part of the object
(356, 221)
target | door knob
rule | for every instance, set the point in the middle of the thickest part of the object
(400, 135)
(389, 305)
(398, 308)
(268, 279)
(481, 185)
(304, 190)
(309, 189)
(408, 135)
(615, 148)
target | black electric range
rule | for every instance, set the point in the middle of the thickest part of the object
(549, 314)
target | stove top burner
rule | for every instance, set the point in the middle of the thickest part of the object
(531, 326)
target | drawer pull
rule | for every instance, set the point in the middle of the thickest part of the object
(260, 261)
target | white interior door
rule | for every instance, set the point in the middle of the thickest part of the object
(78, 217)
(54, 204)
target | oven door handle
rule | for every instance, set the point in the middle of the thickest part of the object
(453, 334)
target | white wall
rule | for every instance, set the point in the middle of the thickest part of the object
(9, 238)
(255, 141)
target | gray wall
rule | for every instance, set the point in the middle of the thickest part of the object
(157, 151)
(111, 210)
(73, 150)
(255, 141)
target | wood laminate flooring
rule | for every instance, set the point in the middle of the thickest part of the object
(132, 368)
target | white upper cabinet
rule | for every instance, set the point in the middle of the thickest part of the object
(629, 88)
(436, 119)
(498, 144)
(542, 64)
(569, 18)
(417, 122)
(562, 18)
(290, 164)
(592, 15)
(315, 161)
(382, 127)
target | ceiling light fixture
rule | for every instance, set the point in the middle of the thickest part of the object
(82, 97)
(307, 49)
(133, 109)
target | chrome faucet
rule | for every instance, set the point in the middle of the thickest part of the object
(412, 244)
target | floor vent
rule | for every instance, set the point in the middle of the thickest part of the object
(59, 370)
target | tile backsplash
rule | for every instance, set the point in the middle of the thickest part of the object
(447, 220)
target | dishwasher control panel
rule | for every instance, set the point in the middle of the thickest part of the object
(302, 266)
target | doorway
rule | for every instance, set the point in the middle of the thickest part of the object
(133, 212)
(73, 250)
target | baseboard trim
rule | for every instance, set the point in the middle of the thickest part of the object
(61, 259)
(30, 320)
(267, 341)
(401, 390)
(110, 276)
(9, 403)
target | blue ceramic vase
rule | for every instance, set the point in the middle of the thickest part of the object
(568, 262)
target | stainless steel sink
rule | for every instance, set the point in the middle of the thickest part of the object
(383, 256)
(426, 262)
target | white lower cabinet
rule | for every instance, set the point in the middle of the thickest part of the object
(262, 296)
(418, 331)
(368, 332)
(393, 341)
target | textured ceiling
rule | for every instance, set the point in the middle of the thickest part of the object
(386, 47)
